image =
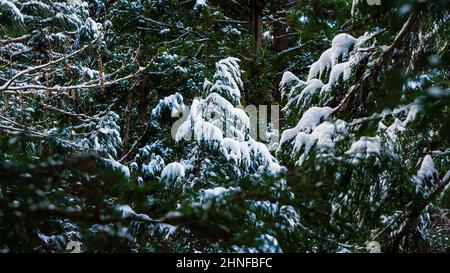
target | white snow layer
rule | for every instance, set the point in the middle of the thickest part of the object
(288, 79)
(364, 148)
(341, 45)
(310, 89)
(326, 65)
(173, 171)
(426, 177)
(310, 119)
(117, 166)
(199, 4)
(214, 193)
(154, 167)
(212, 119)
(173, 102)
(128, 212)
(11, 7)
(323, 137)
(227, 79)
(216, 121)
(236, 150)
(310, 130)
(340, 48)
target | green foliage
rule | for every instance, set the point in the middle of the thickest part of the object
(86, 128)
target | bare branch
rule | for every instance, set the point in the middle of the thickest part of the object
(5, 86)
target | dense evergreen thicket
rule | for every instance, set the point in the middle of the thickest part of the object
(140, 126)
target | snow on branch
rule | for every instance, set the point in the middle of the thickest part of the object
(32, 69)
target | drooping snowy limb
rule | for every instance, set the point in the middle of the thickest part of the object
(407, 27)
(100, 124)
(323, 132)
(340, 47)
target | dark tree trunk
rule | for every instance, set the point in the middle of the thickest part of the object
(143, 91)
(258, 96)
(280, 44)
(256, 15)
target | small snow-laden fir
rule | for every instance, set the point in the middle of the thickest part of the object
(215, 152)
(227, 80)
(214, 120)
(233, 122)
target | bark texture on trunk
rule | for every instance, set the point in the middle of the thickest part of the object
(256, 15)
